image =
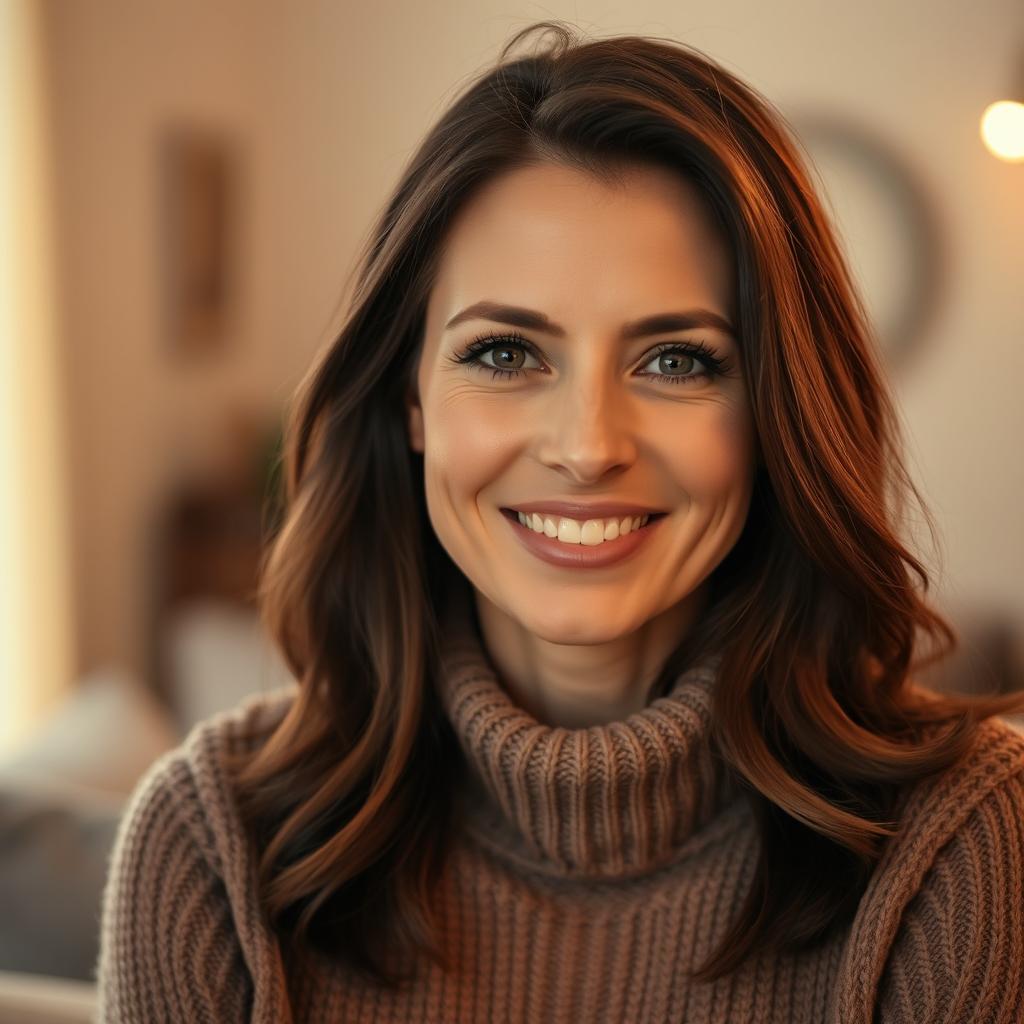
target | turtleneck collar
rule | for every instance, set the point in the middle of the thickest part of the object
(608, 801)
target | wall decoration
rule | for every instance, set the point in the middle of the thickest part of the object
(198, 186)
(888, 226)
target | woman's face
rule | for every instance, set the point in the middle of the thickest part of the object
(580, 414)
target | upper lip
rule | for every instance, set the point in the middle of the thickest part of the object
(585, 510)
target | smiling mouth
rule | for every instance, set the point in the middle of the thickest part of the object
(572, 544)
(650, 516)
(578, 531)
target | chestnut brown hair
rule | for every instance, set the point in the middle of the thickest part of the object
(818, 609)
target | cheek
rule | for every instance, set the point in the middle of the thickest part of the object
(468, 444)
(713, 453)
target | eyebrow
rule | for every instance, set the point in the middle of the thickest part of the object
(660, 323)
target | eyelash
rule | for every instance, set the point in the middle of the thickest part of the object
(715, 366)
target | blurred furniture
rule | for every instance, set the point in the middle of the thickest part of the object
(210, 540)
(63, 793)
(32, 999)
(62, 796)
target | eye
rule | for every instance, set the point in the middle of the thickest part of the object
(509, 353)
(685, 356)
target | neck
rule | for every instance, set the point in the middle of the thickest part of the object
(579, 685)
(602, 801)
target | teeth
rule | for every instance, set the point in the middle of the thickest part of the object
(589, 532)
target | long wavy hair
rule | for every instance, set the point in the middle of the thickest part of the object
(818, 609)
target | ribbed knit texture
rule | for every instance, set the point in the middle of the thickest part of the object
(595, 867)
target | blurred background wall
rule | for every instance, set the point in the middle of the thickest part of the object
(308, 111)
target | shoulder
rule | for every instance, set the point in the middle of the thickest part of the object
(188, 789)
(959, 952)
(939, 935)
(179, 930)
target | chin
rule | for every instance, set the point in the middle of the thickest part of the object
(574, 630)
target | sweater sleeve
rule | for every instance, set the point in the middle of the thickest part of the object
(958, 957)
(169, 953)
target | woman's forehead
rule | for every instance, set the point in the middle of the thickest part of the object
(553, 238)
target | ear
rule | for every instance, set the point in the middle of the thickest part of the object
(414, 417)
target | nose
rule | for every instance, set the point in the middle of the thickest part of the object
(587, 432)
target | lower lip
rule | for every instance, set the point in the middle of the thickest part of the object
(581, 556)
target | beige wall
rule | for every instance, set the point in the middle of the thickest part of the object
(328, 99)
(36, 651)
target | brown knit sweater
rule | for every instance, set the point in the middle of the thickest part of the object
(597, 864)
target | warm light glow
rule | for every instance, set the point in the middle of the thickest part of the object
(1002, 129)
(36, 642)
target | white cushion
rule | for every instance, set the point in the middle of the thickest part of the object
(97, 743)
(219, 654)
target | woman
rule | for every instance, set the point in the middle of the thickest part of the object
(591, 582)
